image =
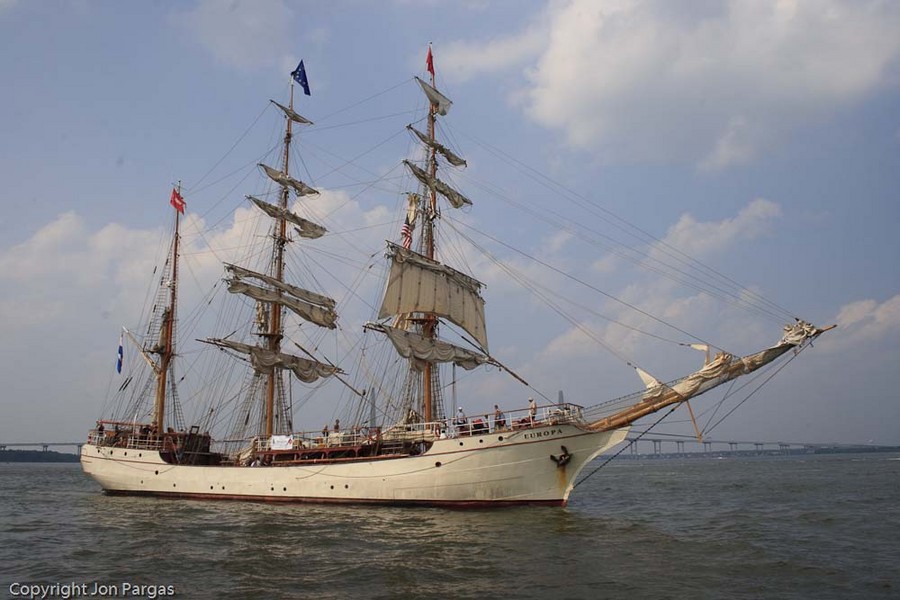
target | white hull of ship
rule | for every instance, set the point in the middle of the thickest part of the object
(500, 468)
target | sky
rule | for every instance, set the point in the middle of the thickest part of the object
(761, 139)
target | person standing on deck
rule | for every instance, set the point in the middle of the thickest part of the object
(532, 410)
(499, 418)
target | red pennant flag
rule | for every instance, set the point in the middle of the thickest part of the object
(429, 62)
(177, 201)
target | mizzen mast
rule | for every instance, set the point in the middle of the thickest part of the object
(166, 344)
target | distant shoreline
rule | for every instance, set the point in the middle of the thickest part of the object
(37, 456)
(771, 452)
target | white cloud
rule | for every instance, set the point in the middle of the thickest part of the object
(461, 61)
(711, 84)
(865, 322)
(574, 359)
(702, 240)
(242, 33)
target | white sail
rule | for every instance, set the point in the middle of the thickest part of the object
(722, 369)
(298, 186)
(419, 284)
(264, 361)
(306, 295)
(305, 228)
(455, 198)
(452, 158)
(415, 346)
(290, 114)
(311, 312)
(440, 101)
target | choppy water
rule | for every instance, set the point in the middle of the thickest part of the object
(813, 527)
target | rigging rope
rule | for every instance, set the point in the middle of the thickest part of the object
(628, 445)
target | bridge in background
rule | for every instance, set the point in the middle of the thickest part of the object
(45, 446)
(708, 446)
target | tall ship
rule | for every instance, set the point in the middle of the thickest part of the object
(405, 438)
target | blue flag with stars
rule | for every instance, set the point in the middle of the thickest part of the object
(299, 75)
(119, 356)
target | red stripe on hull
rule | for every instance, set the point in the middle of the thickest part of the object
(457, 504)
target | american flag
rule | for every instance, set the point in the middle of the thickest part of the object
(406, 233)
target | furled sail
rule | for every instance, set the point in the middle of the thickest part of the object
(293, 116)
(308, 296)
(298, 186)
(313, 307)
(307, 229)
(436, 98)
(452, 158)
(264, 361)
(419, 284)
(454, 197)
(415, 346)
(722, 369)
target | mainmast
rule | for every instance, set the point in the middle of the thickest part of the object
(280, 239)
(166, 345)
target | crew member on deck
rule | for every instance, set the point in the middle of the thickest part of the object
(461, 422)
(499, 418)
(532, 410)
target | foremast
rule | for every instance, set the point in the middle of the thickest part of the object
(421, 290)
(429, 322)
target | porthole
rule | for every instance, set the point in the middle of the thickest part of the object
(156, 472)
(500, 439)
(437, 464)
(481, 441)
(460, 443)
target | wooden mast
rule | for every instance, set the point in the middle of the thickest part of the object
(274, 334)
(429, 326)
(168, 331)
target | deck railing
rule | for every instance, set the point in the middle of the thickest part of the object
(135, 436)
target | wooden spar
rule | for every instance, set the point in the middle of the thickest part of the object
(429, 327)
(169, 333)
(737, 367)
(274, 334)
(142, 352)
